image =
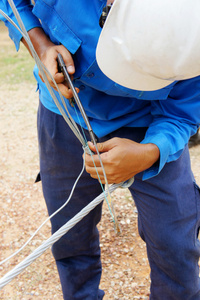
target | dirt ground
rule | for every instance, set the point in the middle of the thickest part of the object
(125, 265)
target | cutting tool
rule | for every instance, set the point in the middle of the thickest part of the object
(75, 98)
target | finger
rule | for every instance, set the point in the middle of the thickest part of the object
(101, 180)
(65, 83)
(105, 146)
(97, 173)
(65, 91)
(58, 77)
(92, 147)
(94, 171)
(100, 146)
(53, 70)
(68, 60)
(97, 176)
(92, 161)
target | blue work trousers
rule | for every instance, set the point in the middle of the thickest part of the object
(168, 216)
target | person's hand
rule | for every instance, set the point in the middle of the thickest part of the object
(48, 52)
(122, 159)
(49, 59)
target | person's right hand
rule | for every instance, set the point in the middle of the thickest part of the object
(48, 52)
(49, 59)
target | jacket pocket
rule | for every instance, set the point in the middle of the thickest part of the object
(54, 25)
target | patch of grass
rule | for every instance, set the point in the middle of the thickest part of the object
(15, 67)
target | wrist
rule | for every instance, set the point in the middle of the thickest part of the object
(39, 40)
(152, 154)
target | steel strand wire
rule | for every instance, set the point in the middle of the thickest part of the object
(84, 143)
(50, 217)
(21, 266)
(55, 237)
(43, 69)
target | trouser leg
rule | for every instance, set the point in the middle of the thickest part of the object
(168, 210)
(77, 253)
(169, 219)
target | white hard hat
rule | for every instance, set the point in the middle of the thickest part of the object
(148, 44)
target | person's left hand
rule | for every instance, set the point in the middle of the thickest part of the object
(122, 159)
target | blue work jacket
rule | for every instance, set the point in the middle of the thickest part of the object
(172, 114)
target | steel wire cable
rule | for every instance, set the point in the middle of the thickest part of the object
(70, 224)
(55, 237)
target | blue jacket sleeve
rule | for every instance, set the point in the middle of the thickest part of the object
(174, 121)
(24, 8)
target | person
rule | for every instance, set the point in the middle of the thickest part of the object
(139, 133)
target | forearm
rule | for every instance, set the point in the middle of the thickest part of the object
(174, 121)
(171, 138)
(39, 40)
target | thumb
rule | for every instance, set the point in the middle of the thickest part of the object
(102, 147)
(69, 64)
(68, 60)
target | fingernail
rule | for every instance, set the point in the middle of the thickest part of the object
(70, 69)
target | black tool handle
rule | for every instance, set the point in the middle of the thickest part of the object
(64, 71)
(62, 68)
